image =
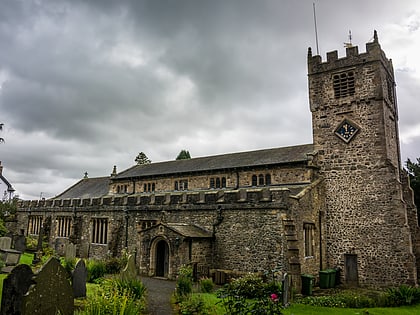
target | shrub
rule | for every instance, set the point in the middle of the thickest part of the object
(68, 263)
(403, 295)
(31, 242)
(236, 296)
(96, 269)
(113, 302)
(345, 299)
(206, 285)
(113, 265)
(193, 304)
(134, 287)
(184, 281)
(249, 286)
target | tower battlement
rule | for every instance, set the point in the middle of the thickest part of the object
(352, 58)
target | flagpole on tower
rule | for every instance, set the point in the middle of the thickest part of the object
(316, 30)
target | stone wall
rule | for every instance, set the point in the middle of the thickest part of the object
(365, 212)
(280, 175)
(247, 224)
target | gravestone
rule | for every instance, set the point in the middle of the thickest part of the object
(5, 242)
(130, 270)
(15, 287)
(20, 243)
(51, 292)
(79, 279)
(286, 288)
(70, 251)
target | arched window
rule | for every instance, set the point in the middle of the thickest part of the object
(145, 187)
(212, 185)
(153, 187)
(176, 185)
(223, 182)
(217, 182)
(261, 180)
(267, 179)
(118, 189)
(254, 180)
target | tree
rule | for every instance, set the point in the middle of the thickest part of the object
(1, 128)
(142, 159)
(183, 155)
(413, 169)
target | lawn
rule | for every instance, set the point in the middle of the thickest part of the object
(300, 309)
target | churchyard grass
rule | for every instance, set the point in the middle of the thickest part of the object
(300, 309)
(213, 304)
(26, 258)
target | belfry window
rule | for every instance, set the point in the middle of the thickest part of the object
(343, 84)
(99, 230)
(308, 234)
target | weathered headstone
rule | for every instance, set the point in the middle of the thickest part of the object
(20, 243)
(5, 242)
(79, 279)
(10, 257)
(130, 270)
(15, 287)
(286, 288)
(51, 293)
(70, 251)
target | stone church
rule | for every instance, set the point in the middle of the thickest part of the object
(342, 201)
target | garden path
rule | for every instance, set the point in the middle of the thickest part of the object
(159, 292)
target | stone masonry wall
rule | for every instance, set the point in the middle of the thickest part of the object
(365, 211)
(280, 175)
(247, 226)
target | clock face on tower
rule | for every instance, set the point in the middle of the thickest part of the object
(346, 130)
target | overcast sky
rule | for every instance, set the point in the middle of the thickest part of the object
(85, 85)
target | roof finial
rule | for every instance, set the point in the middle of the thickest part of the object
(114, 171)
(86, 175)
(375, 36)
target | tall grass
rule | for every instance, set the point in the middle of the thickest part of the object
(116, 297)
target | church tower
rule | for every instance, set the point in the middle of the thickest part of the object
(355, 134)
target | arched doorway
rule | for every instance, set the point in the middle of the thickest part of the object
(162, 259)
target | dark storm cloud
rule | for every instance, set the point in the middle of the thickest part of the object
(88, 84)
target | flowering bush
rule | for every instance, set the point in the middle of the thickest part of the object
(250, 295)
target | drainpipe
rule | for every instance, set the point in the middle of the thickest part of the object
(237, 180)
(126, 226)
(320, 239)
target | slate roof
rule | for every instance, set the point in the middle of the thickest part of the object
(87, 188)
(221, 162)
(189, 230)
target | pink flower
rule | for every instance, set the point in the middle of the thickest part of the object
(274, 297)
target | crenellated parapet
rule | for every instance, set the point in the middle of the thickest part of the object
(211, 197)
(352, 58)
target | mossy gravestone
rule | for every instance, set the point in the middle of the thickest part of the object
(130, 270)
(15, 287)
(51, 292)
(79, 279)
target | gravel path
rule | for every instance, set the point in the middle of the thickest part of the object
(159, 292)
